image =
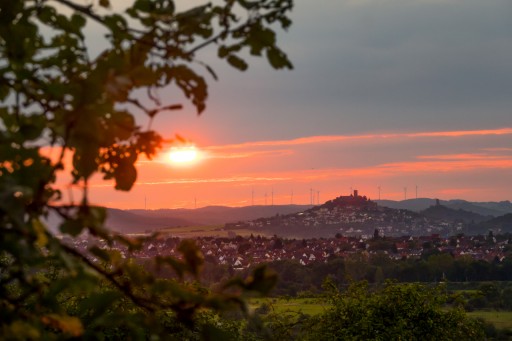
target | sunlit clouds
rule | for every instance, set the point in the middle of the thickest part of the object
(473, 165)
(340, 138)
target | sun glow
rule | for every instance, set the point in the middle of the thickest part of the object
(183, 155)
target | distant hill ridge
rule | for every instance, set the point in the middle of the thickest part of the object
(356, 214)
(500, 224)
(441, 212)
(494, 209)
(139, 221)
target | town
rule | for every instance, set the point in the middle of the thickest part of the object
(243, 252)
(340, 228)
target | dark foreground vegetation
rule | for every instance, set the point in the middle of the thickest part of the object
(67, 113)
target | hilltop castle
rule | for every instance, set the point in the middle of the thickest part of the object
(350, 200)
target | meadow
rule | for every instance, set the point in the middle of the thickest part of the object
(309, 306)
(313, 306)
(206, 231)
(500, 319)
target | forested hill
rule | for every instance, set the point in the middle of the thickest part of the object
(444, 213)
(500, 224)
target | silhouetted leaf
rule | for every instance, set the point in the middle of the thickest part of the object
(125, 175)
(237, 62)
(192, 255)
(72, 227)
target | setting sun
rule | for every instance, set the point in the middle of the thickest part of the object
(183, 154)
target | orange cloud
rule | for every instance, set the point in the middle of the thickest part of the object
(203, 180)
(337, 138)
(220, 155)
(461, 157)
(444, 164)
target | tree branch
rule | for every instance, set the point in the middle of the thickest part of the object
(111, 278)
(228, 30)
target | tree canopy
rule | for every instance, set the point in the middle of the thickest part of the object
(395, 312)
(57, 93)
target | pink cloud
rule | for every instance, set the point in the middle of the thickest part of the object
(337, 138)
(461, 157)
(242, 155)
(205, 180)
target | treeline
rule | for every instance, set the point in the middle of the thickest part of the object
(438, 267)
(296, 279)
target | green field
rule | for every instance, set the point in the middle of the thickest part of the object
(500, 319)
(309, 306)
(205, 231)
(313, 306)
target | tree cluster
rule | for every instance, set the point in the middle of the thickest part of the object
(62, 100)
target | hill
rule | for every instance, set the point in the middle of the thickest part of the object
(502, 224)
(126, 222)
(356, 215)
(141, 221)
(213, 215)
(445, 213)
(494, 209)
(352, 215)
(129, 222)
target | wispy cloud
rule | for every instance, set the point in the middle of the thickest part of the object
(242, 155)
(338, 138)
(497, 149)
(235, 179)
(478, 156)
(433, 164)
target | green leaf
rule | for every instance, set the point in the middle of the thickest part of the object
(100, 253)
(85, 160)
(99, 303)
(104, 3)
(78, 21)
(40, 230)
(4, 92)
(237, 62)
(262, 280)
(72, 227)
(278, 59)
(193, 85)
(116, 23)
(97, 216)
(211, 332)
(193, 256)
(125, 176)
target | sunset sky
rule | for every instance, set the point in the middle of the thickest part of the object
(393, 93)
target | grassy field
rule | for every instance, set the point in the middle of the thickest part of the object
(313, 306)
(204, 231)
(500, 319)
(309, 306)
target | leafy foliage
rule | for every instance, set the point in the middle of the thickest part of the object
(396, 312)
(58, 95)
